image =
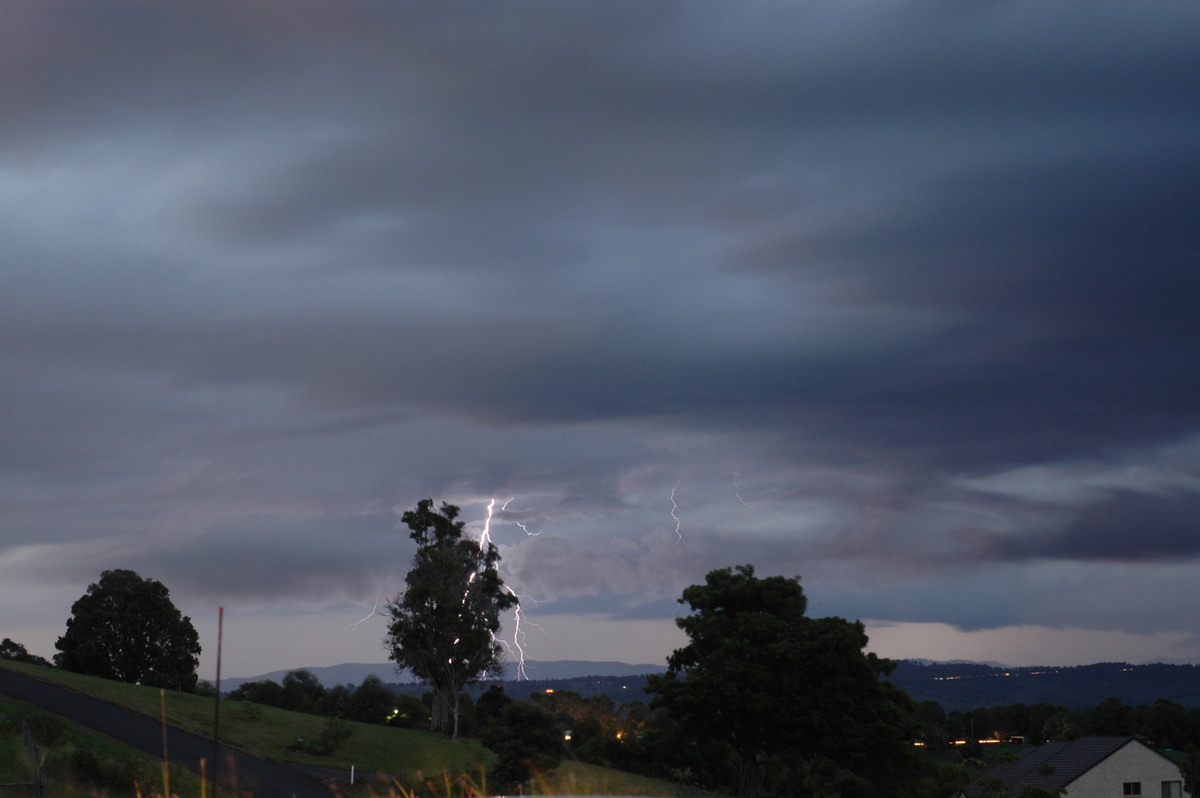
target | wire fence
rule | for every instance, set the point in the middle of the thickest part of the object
(37, 787)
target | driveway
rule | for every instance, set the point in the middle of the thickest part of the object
(263, 778)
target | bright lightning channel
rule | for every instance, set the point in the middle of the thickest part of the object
(675, 514)
(518, 638)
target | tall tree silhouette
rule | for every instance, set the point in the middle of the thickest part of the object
(443, 626)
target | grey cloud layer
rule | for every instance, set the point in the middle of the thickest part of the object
(270, 269)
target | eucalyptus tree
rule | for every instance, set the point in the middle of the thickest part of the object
(443, 626)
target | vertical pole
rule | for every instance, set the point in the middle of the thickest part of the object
(166, 762)
(216, 758)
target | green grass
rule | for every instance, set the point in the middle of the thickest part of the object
(411, 757)
(14, 764)
(268, 732)
(131, 770)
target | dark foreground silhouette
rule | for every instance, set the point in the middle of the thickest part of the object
(263, 778)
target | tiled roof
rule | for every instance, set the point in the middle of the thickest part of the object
(1066, 759)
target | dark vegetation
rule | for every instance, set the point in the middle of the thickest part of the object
(126, 628)
(965, 686)
(10, 649)
(763, 699)
(75, 760)
(1164, 723)
(766, 698)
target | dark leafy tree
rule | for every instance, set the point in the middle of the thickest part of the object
(267, 692)
(443, 627)
(10, 649)
(372, 701)
(793, 700)
(302, 692)
(1110, 717)
(1190, 769)
(126, 628)
(490, 705)
(1063, 725)
(408, 713)
(931, 722)
(528, 741)
(338, 702)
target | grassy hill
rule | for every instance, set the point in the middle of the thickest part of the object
(409, 756)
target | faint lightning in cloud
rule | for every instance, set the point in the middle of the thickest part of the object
(736, 491)
(524, 528)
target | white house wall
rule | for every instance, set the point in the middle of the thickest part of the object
(1132, 762)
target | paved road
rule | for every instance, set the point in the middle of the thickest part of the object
(263, 778)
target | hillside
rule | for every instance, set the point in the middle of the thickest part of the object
(965, 686)
(408, 756)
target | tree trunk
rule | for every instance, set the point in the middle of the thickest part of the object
(439, 717)
(749, 785)
(454, 710)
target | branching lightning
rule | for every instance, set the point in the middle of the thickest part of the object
(518, 638)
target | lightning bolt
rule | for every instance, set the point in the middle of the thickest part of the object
(518, 638)
(737, 492)
(675, 514)
(524, 528)
(374, 611)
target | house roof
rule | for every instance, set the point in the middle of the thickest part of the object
(1053, 764)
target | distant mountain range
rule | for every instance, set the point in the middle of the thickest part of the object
(354, 673)
(954, 685)
(964, 686)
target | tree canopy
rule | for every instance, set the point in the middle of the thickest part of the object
(443, 627)
(126, 628)
(793, 701)
(11, 649)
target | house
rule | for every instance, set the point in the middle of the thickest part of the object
(1087, 767)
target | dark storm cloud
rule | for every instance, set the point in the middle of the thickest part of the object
(1126, 526)
(884, 294)
(257, 559)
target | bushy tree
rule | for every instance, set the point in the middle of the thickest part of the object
(372, 701)
(126, 628)
(443, 627)
(528, 742)
(302, 692)
(267, 692)
(11, 649)
(794, 700)
(408, 713)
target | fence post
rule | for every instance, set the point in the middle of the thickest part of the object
(31, 748)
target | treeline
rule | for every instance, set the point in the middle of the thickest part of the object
(1164, 723)
(370, 702)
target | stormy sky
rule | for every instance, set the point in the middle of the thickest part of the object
(899, 297)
